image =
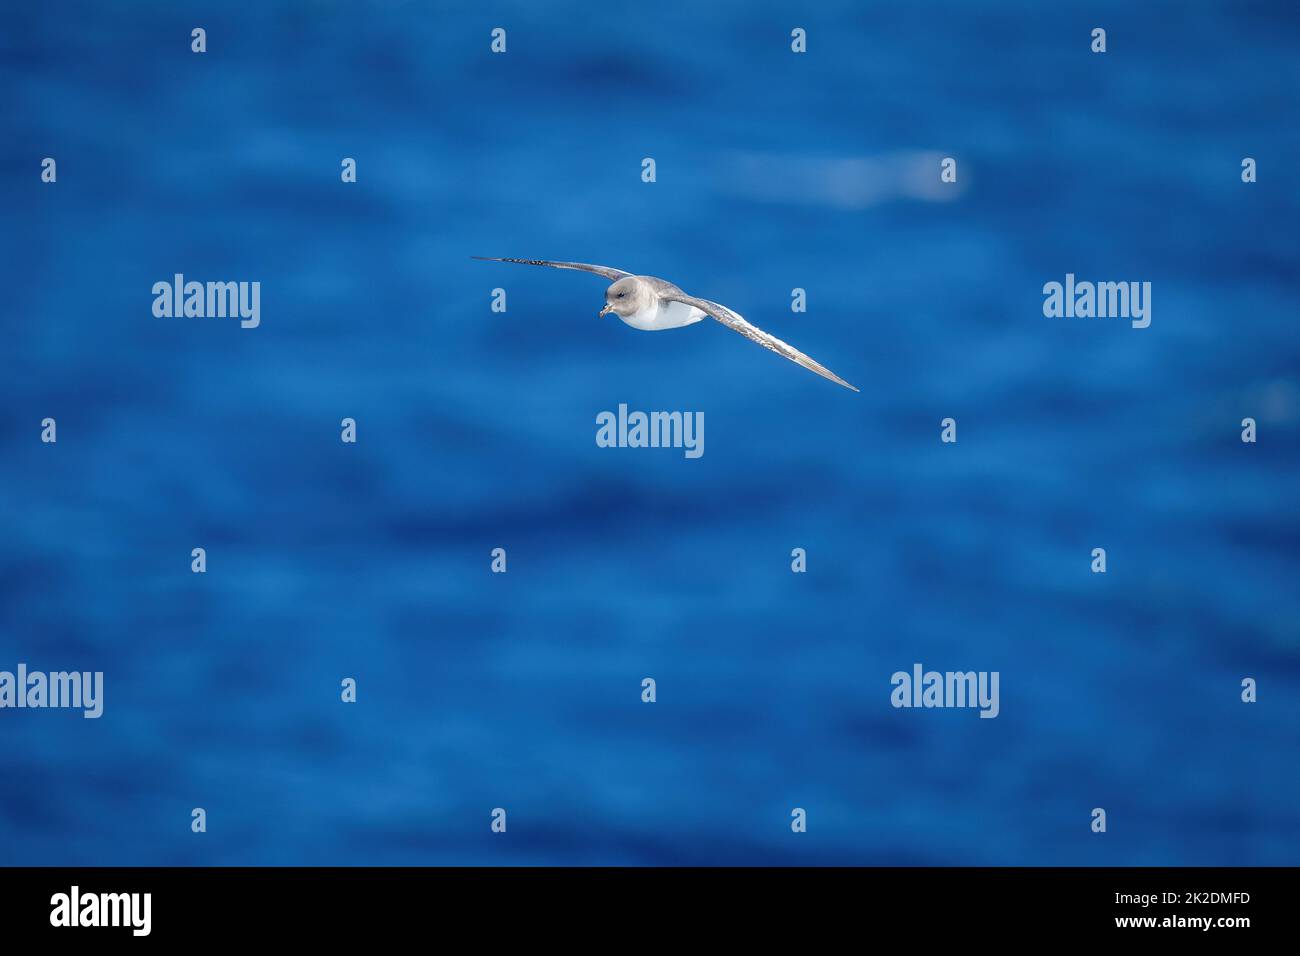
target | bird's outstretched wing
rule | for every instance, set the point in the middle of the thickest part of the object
(613, 275)
(733, 321)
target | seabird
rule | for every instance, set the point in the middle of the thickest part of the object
(651, 304)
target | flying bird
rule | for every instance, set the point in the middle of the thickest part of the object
(651, 304)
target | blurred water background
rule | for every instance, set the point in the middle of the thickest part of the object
(476, 430)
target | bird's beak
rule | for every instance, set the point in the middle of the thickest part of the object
(606, 311)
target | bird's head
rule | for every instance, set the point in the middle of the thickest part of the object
(623, 297)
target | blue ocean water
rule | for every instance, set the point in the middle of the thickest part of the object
(476, 430)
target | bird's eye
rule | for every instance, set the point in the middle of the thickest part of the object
(620, 295)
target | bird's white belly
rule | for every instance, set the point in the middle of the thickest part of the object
(663, 315)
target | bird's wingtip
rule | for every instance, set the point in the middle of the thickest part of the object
(827, 373)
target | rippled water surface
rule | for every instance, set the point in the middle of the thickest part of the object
(774, 171)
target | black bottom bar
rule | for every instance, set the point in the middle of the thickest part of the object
(338, 904)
